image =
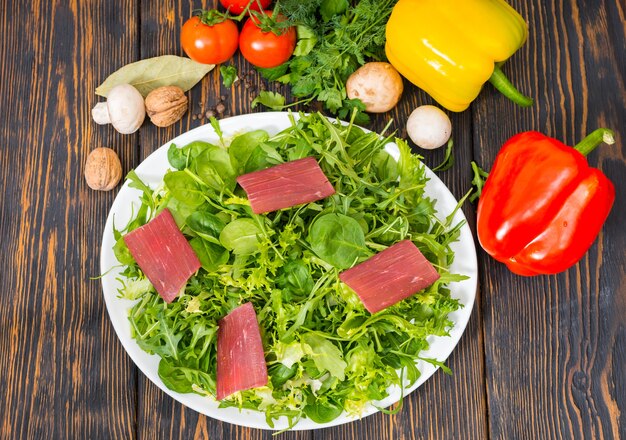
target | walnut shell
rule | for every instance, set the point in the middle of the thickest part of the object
(103, 169)
(166, 105)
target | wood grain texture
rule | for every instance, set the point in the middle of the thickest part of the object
(63, 372)
(541, 357)
(555, 345)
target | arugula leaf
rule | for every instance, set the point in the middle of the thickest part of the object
(136, 182)
(478, 182)
(448, 161)
(218, 130)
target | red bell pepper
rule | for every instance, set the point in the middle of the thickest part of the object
(542, 206)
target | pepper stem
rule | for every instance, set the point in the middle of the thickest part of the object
(598, 136)
(504, 86)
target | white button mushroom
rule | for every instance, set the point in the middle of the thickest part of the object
(124, 109)
(378, 85)
(429, 127)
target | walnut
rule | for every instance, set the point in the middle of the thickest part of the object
(166, 105)
(103, 169)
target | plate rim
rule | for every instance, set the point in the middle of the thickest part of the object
(242, 123)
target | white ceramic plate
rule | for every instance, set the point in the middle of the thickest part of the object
(151, 172)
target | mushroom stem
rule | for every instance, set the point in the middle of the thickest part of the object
(100, 114)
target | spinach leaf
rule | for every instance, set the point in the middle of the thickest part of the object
(206, 225)
(121, 252)
(179, 158)
(262, 157)
(211, 255)
(323, 410)
(213, 166)
(184, 187)
(242, 146)
(179, 210)
(338, 240)
(279, 374)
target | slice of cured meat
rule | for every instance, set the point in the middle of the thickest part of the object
(286, 185)
(390, 276)
(163, 254)
(240, 358)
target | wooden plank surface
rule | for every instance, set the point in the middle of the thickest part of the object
(63, 373)
(555, 346)
(541, 357)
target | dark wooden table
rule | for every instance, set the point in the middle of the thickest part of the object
(541, 358)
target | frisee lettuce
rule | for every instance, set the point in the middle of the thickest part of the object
(325, 353)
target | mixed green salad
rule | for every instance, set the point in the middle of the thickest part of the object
(325, 353)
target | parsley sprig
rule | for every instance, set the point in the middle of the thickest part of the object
(335, 38)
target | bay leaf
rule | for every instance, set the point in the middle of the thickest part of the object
(151, 73)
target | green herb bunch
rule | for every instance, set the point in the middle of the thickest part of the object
(335, 38)
(325, 353)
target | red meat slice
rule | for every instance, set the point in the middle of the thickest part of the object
(163, 254)
(240, 358)
(390, 276)
(286, 185)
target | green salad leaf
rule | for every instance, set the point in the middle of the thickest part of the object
(271, 100)
(325, 353)
(229, 75)
(338, 240)
(335, 38)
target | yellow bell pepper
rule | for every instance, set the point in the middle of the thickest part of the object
(450, 48)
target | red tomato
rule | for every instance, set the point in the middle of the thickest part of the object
(266, 49)
(209, 44)
(237, 6)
